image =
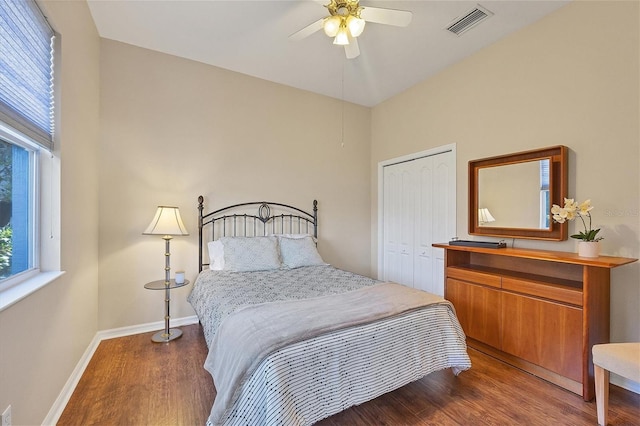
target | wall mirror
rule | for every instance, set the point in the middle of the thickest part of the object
(511, 195)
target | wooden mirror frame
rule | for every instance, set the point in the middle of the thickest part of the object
(558, 186)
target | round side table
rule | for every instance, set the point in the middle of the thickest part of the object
(167, 334)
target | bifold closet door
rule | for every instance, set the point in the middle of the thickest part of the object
(418, 210)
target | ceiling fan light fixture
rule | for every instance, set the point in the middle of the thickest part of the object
(356, 25)
(346, 22)
(331, 25)
(342, 38)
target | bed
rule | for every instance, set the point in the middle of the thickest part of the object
(293, 340)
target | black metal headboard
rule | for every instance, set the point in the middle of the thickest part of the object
(237, 220)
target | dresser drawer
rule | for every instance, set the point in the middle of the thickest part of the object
(477, 277)
(553, 292)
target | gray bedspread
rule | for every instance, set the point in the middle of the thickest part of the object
(217, 294)
(252, 332)
(266, 385)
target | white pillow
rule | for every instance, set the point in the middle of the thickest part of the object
(216, 255)
(246, 254)
(298, 252)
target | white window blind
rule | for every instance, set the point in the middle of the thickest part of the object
(544, 175)
(26, 70)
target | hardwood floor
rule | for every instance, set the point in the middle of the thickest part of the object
(132, 381)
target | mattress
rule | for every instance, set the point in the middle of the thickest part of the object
(312, 378)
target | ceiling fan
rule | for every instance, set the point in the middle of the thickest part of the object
(346, 22)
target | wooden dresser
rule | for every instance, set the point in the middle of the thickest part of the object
(538, 310)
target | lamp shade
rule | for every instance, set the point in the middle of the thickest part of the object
(356, 25)
(167, 221)
(332, 25)
(342, 38)
(484, 216)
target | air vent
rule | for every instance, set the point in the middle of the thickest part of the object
(469, 20)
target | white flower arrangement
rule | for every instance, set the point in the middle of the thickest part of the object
(570, 211)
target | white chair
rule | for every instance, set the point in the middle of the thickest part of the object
(622, 359)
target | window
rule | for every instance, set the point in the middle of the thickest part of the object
(545, 195)
(26, 130)
(18, 166)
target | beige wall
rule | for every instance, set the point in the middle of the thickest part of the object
(169, 130)
(44, 335)
(173, 129)
(569, 79)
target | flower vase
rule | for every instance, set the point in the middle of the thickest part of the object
(588, 248)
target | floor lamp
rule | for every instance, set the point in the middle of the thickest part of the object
(168, 223)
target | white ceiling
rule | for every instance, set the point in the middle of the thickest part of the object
(251, 37)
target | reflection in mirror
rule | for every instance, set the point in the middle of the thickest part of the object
(511, 195)
(485, 217)
(515, 195)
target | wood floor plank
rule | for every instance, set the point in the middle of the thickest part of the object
(133, 382)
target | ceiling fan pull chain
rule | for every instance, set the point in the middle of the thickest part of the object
(342, 100)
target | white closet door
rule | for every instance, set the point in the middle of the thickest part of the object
(391, 244)
(398, 246)
(418, 210)
(424, 224)
(443, 217)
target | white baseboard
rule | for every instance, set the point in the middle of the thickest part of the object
(63, 398)
(144, 328)
(625, 383)
(58, 406)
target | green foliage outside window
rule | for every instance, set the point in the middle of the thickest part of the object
(5, 172)
(5, 208)
(5, 251)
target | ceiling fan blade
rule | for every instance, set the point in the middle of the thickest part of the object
(308, 30)
(399, 18)
(352, 50)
